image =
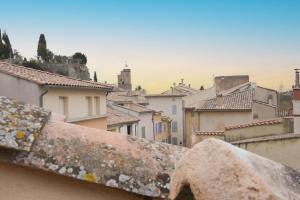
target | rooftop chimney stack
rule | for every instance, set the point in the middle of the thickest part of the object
(297, 85)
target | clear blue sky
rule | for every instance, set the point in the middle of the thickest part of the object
(165, 40)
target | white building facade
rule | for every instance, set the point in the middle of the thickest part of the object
(171, 106)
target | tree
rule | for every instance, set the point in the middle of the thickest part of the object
(31, 64)
(95, 77)
(1, 46)
(138, 88)
(6, 50)
(202, 87)
(42, 51)
(81, 57)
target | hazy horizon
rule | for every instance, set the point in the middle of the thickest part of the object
(164, 41)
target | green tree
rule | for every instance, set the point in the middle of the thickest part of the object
(31, 64)
(7, 50)
(81, 57)
(202, 87)
(42, 51)
(95, 77)
(1, 46)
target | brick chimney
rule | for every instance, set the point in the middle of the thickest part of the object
(296, 103)
(297, 85)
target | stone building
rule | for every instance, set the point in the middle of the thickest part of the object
(124, 79)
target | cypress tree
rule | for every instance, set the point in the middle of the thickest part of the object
(42, 48)
(7, 50)
(95, 77)
(1, 46)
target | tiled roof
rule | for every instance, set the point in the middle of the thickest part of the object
(256, 123)
(47, 78)
(115, 117)
(136, 107)
(210, 133)
(181, 89)
(123, 162)
(240, 101)
(164, 95)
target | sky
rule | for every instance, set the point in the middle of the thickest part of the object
(163, 41)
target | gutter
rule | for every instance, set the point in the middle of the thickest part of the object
(42, 95)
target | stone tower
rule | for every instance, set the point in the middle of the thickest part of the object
(124, 79)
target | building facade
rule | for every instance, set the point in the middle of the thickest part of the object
(171, 106)
(81, 102)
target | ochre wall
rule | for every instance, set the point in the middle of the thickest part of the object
(285, 151)
(22, 183)
(99, 123)
(254, 131)
(191, 122)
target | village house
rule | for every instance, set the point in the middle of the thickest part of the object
(120, 122)
(170, 105)
(240, 104)
(80, 101)
(144, 128)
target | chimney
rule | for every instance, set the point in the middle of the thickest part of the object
(219, 101)
(297, 85)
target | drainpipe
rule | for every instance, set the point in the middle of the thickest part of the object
(41, 97)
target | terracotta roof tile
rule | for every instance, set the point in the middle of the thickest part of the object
(239, 101)
(47, 78)
(210, 133)
(116, 117)
(136, 107)
(256, 123)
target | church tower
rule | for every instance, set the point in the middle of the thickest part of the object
(124, 79)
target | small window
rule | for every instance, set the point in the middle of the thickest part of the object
(89, 106)
(143, 132)
(63, 106)
(174, 109)
(174, 126)
(174, 140)
(97, 105)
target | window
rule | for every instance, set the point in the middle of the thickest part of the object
(143, 132)
(129, 129)
(174, 126)
(89, 106)
(157, 128)
(63, 106)
(174, 140)
(97, 105)
(174, 109)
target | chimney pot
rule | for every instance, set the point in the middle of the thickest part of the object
(297, 85)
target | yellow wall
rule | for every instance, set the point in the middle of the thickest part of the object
(257, 131)
(164, 135)
(99, 123)
(22, 183)
(285, 151)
